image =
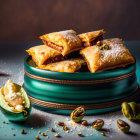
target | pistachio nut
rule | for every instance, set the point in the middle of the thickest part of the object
(84, 123)
(123, 126)
(126, 110)
(99, 43)
(98, 124)
(78, 114)
(135, 109)
(131, 110)
(52, 130)
(104, 47)
(80, 134)
(103, 133)
(60, 123)
(57, 135)
(65, 128)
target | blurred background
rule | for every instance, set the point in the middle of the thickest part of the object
(26, 20)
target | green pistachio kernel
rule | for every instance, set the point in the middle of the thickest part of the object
(98, 124)
(60, 123)
(78, 114)
(103, 47)
(65, 128)
(84, 123)
(131, 110)
(135, 109)
(123, 126)
(99, 43)
(127, 111)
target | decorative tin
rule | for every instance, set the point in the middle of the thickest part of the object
(100, 92)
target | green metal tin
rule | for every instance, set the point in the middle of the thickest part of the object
(108, 87)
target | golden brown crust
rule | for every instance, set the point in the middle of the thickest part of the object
(70, 65)
(64, 41)
(99, 60)
(43, 54)
(91, 36)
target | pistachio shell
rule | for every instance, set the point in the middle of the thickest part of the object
(135, 109)
(131, 110)
(78, 114)
(123, 126)
(98, 124)
(127, 111)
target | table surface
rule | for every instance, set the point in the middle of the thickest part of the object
(11, 67)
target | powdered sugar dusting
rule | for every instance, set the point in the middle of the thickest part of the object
(69, 35)
(116, 51)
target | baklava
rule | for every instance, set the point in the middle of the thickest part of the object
(70, 65)
(43, 54)
(64, 41)
(110, 54)
(90, 38)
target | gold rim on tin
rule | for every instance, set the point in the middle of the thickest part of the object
(87, 106)
(76, 82)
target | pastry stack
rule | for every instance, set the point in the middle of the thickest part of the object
(65, 51)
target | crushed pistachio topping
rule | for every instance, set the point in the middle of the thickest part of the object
(37, 137)
(65, 128)
(99, 43)
(80, 134)
(23, 131)
(57, 135)
(84, 122)
(43, 134)
(60, 123)
(52, 130)
(103, 134)
(103, 46)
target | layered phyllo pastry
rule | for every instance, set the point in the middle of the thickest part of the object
(64, 41)
(107, 54)
(43, 54)
(90, 38)
(62, 52)
(70, 65)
